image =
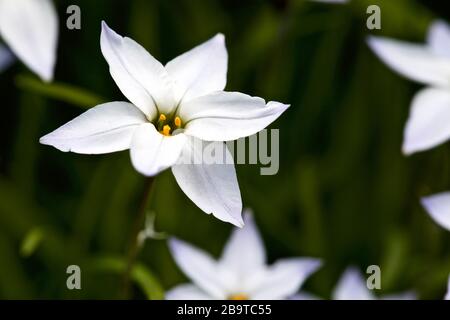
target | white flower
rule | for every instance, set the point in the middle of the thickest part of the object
(429, 120)
(173, 107)
(438, 206)
(241, 273)
(6, 58)
(353, 286)
(30, 28)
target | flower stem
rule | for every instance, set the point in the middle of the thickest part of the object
(133, 247)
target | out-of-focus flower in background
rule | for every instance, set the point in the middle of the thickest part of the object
(429, 64)
(173, 107)
(6, 58)
(30, 29)
(353, 286)
(241, 273)
(438, 206)
(447, 296)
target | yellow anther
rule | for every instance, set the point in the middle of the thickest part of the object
(162, 117)
(166, 130)
(239, 296)
(177, 122)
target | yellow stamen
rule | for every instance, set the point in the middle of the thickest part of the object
(239, 296)
(162, 117)
(177, 122)
(166, 130)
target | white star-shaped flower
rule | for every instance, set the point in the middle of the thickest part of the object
(429, 120)
(30, 29)
(353, 286)
(173, 107)
(241, 273)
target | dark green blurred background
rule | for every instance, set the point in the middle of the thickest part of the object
(344, 192)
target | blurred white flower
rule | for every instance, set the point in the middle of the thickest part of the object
(30, 29)
(173, 107)
(241, 273)
(6, 58)
(353, 286)
(429, 120)
(438, 206)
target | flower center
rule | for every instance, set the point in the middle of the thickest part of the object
(166, 126)
(238, 296)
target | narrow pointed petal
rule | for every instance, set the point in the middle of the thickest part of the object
(415, 62)
(105, 128)
(438, 38)
(6, 58)
(427, 125)
(187, 292)
(352, 286)
(438, 206)
(212, 187)
(225, 116)
(30, 28)
(198, 266)
(201, 70)
(152, 152)
(244, 252)
(140, 77)
(284, 278)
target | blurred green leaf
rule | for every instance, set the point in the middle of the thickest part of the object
(140, 274)
(31, 241)
(59, 91)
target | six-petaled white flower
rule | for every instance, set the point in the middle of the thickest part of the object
(353, 286)
(241, 273)
(30, 28)
(173, 107)
(429, 120)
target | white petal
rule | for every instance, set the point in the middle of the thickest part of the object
(212, 187)
(105, 128)
(30, 28)
(6, 58)
(198, 266)
(187, 292)
(428, 122)
(438, 38)
(438, 206)
(352, 286)
(447, 296)
(140, 77)
(201, 70)
(415, 62)
(244, 252)
(284, 278)
(224, 116)
(152, 152)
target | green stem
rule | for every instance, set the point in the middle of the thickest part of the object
(133, 248)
